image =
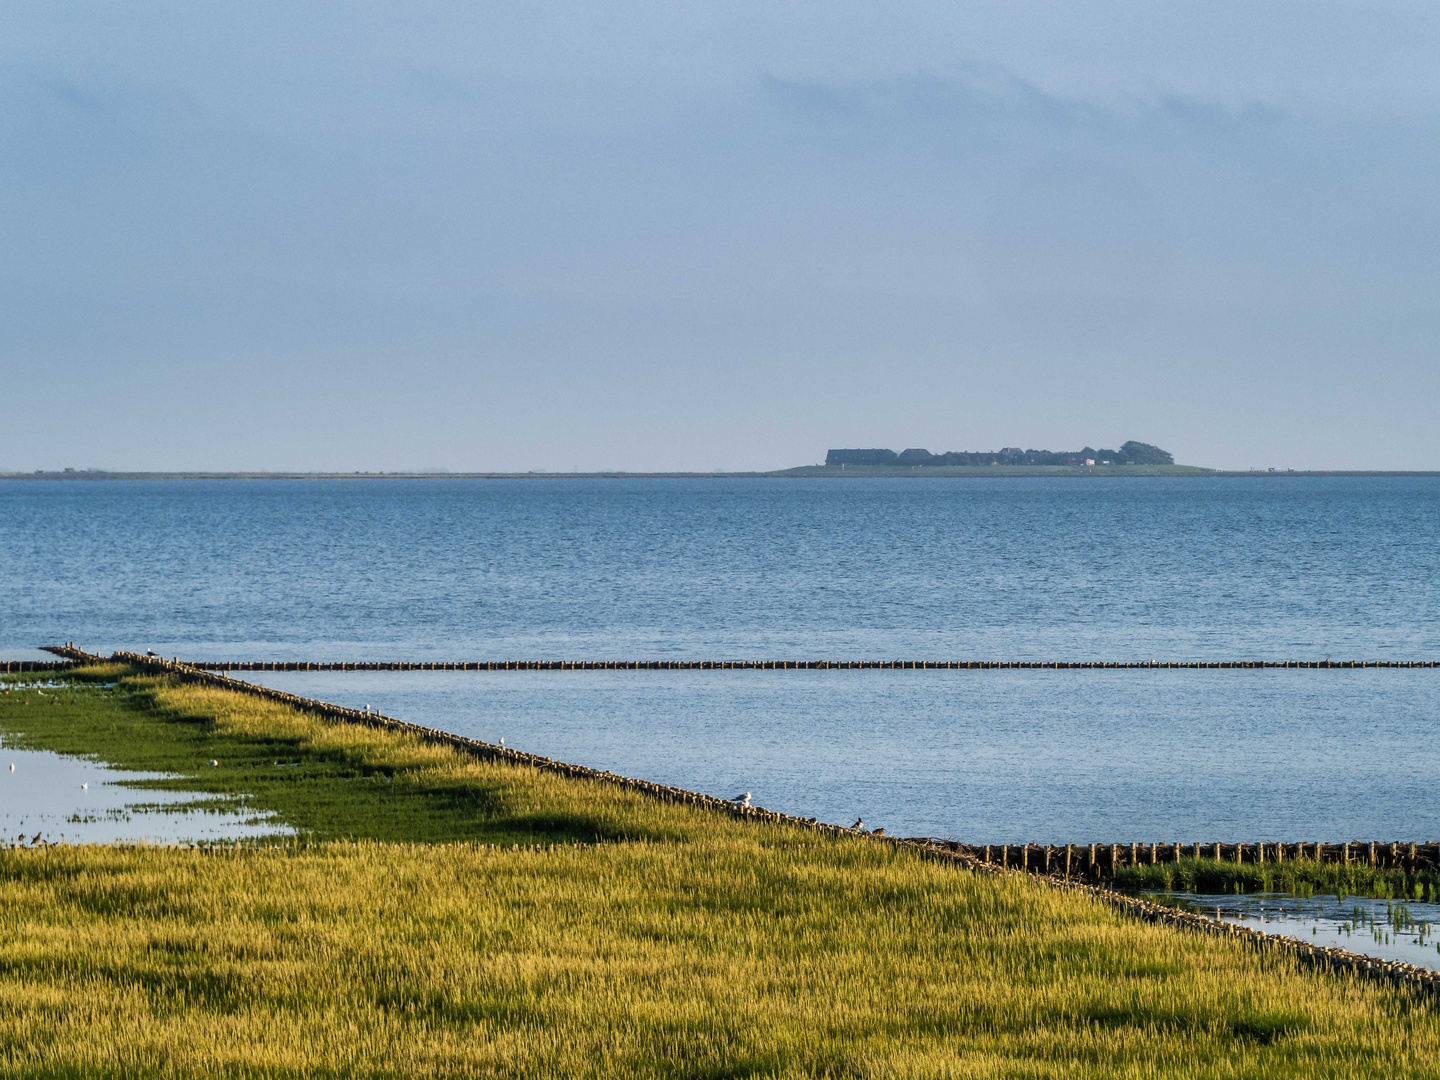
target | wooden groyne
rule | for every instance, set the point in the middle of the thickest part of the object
(1042, 861)
(1100, 862)
(13, 667)
(794, 665)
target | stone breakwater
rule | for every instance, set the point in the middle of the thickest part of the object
(1420, 980)
(792, 665)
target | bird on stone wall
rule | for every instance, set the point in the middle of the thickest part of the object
(742, 800)
(859, 824)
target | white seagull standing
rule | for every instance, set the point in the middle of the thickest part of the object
(743, 800)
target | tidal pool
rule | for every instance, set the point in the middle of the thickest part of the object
(1386, 929)
(55, 798)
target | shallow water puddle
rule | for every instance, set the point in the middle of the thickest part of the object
(1386, 929)
(54, 798)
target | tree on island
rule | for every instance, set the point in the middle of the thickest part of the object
(1130, 453)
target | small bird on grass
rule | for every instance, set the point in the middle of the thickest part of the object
(743, 800)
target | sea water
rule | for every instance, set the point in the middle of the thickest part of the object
(1001, 569)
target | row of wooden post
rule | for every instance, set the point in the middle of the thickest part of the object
(786, 665)
(1098, 861)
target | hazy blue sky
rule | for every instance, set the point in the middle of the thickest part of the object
(657, 235)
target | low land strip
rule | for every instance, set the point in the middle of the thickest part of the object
(438, 914)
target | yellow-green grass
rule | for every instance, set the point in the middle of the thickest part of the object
(713, 948)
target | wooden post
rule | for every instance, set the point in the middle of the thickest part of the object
(1217, 852)
(1069, 852)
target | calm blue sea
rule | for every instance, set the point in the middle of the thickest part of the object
(938, 569)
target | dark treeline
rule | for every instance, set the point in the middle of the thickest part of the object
(1130, 453)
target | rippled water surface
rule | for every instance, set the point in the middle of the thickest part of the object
(1113, 569)
(1006, 568)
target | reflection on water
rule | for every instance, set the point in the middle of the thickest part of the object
(47, 797)
(1387, 929)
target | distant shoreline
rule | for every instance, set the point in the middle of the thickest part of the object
(853, 472)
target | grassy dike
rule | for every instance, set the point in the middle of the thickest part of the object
(407, 935)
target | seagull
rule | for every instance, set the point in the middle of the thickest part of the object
(85, 786)
(502, 740)
(12, 766)
(743, 800)
(149, 652)
(859, 823)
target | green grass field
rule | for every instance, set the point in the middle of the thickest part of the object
(407, 935)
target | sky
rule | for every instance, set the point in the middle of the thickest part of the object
(659, 236)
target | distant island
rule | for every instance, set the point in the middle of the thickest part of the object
(1130, 453)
